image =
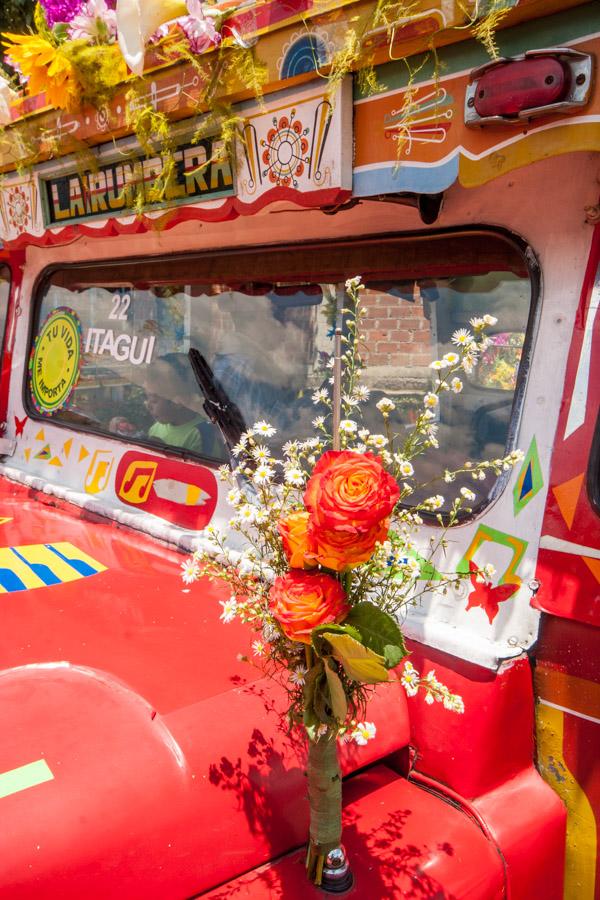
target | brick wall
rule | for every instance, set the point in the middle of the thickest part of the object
(395, 331)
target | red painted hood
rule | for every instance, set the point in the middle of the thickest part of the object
(157, 764)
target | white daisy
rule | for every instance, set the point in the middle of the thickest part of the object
(433, 503)
(318, 422)
(467, 494)
(378, 440)
(289, 448)
(229, 609)
(490, 320)
(437, 364)
(260, 453)
(258, 648)
(452, 358)
(348, 426)
(320, 396)
(363, 733)
(263, 474)
(298, 675)
(456, 385)
(190, 570)
(263, 428)
(406, 469)
(410, 679)
(294, 477)
(430, 400)
(462, 337)
(247, 514)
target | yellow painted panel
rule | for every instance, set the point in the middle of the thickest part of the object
(525, 150)
(8, 560)
(580, 867)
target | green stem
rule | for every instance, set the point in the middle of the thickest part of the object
(325, 800)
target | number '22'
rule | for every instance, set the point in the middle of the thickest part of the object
(120, 306)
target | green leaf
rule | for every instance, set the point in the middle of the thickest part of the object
(322, 701)
(323, 648)
(339, 703)
(309, 683)
(393, 655)
(360, 663)
(378, 630)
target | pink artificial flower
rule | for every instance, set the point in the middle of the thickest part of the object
(199, 28)
(95, 23)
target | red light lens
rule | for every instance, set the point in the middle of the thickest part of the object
(510, 88)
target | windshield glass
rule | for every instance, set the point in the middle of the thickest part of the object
(263, 324)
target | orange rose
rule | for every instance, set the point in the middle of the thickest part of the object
(339, 550)
(302, 600)
(295, 539)
(349, 492)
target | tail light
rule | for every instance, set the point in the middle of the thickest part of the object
(538, 83)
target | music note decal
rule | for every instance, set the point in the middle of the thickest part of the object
(179, 492)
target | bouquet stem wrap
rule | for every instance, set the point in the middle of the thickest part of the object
(325, 800)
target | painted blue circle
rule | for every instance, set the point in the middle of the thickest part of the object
(304, 55)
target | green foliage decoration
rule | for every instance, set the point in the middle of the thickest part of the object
(232, 71)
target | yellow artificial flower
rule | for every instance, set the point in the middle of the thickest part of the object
(46, 67)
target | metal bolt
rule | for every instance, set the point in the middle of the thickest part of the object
(471, 102)
(580, 78)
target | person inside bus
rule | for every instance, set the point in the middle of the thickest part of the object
(170, 387)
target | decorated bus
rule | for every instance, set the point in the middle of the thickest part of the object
(322, 276)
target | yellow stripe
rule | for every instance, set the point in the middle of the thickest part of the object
(540, 145)
(24, 777)
(580, 865)
(9, 561)
(38, 553)
(72, 552)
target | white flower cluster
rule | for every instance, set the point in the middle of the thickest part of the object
(434, 689)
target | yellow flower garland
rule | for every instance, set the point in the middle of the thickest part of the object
(46, 67)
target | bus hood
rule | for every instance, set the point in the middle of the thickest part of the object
(140, 757)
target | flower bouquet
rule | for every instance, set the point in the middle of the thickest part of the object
(329, 559)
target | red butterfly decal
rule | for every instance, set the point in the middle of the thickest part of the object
(486, 595)
(20, 425)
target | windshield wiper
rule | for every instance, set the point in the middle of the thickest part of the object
(221, 411)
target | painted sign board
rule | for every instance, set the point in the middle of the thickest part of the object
(123, 183)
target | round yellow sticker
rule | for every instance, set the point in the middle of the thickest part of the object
(54, 361)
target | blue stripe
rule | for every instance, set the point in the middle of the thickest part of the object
(45, 574)
(396, 179)
(78, 564)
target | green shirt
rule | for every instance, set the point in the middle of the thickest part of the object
(186, 436)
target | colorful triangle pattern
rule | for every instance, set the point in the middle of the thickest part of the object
(45, 453)
(567, 497)
(529, 480)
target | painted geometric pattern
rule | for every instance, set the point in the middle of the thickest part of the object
(529, 481)
(42, 565)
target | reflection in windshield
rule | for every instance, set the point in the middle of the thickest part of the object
(268, 346)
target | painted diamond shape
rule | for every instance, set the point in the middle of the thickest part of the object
(529, 480)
